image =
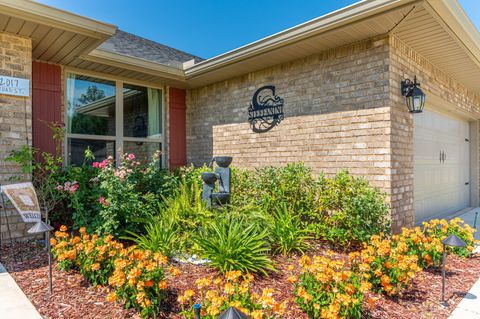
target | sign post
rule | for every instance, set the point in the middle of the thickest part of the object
(24, 198)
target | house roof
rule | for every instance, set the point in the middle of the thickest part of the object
(132, 45)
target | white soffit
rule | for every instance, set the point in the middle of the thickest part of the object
(442, 33)
(57, 36)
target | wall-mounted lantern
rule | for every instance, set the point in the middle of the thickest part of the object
(414, 96)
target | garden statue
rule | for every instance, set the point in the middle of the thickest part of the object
(222, 174)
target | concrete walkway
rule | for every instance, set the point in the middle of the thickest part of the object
(13, 302)
(469, 307)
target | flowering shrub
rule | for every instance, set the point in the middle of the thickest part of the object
(136, 277)
(387, 263)
(326, 288)
(217, 294)
(440, 229)
(427, 249)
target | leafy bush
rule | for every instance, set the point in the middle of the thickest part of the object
(327, 289)
(233, 243)
(217, 294)
(349, 210)
(136, 277)
(287, 234)
(269, 187)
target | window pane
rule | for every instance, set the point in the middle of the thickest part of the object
(77, 147)
(143, 150)
(90, 105)
(142, 111)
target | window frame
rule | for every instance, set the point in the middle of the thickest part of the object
(119, 137)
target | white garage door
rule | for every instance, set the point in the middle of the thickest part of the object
(441, 168)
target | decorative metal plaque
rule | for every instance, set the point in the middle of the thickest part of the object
(266, 109)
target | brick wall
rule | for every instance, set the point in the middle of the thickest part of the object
(405, 63)
(15, 119)
(336, 115)
(343, 109)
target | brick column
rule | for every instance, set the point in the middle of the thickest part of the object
(15, 119)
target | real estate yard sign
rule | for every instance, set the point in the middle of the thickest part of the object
(24, 199)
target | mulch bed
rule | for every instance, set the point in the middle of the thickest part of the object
(74, 298)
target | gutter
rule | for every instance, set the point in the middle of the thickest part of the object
(135, 64)
(53, 17)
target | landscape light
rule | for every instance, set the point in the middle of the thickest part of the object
(452, 241)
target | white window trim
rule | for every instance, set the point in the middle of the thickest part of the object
(119, 139)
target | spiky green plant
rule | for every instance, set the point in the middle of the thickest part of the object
(232, 243)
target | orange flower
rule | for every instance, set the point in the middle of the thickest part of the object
(350, 289)
(174, 271)
(149, 283)
(163, 285)
(82, 230)
(95, 266)
(63, 228)
(111, 297)
(292, 279)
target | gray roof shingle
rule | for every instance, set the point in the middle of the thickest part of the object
(129, 44)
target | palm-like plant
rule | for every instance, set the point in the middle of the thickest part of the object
(231, 243)
(160, 236)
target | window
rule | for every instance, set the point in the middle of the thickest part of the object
(111, 118)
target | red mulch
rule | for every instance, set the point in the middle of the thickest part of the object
(74, 298)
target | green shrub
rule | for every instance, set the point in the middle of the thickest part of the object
(187, 210)
(269, 187)
(349, 210)
(287, 234)
(160, 236)
(233, 243)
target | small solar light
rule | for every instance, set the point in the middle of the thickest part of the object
(233, 313)
(197, 309)
(39, 228)
(452, 241)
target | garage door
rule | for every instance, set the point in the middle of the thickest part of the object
(441, 167)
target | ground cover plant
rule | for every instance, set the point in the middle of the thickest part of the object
(327, 288)
(136, 277)
(216, 294)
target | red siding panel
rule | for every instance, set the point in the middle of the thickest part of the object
(46, 103)
(178, 130)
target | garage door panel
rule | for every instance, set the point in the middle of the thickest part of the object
(439, 186)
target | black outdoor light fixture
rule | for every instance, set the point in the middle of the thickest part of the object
(414, 96)
(452, 241)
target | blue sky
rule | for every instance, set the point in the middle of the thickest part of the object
(211, 27)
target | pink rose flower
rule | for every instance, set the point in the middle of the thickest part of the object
(103, 201)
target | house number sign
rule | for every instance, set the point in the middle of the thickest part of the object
(266, 109)
(14, 86)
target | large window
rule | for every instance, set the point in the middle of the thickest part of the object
(111, 118)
